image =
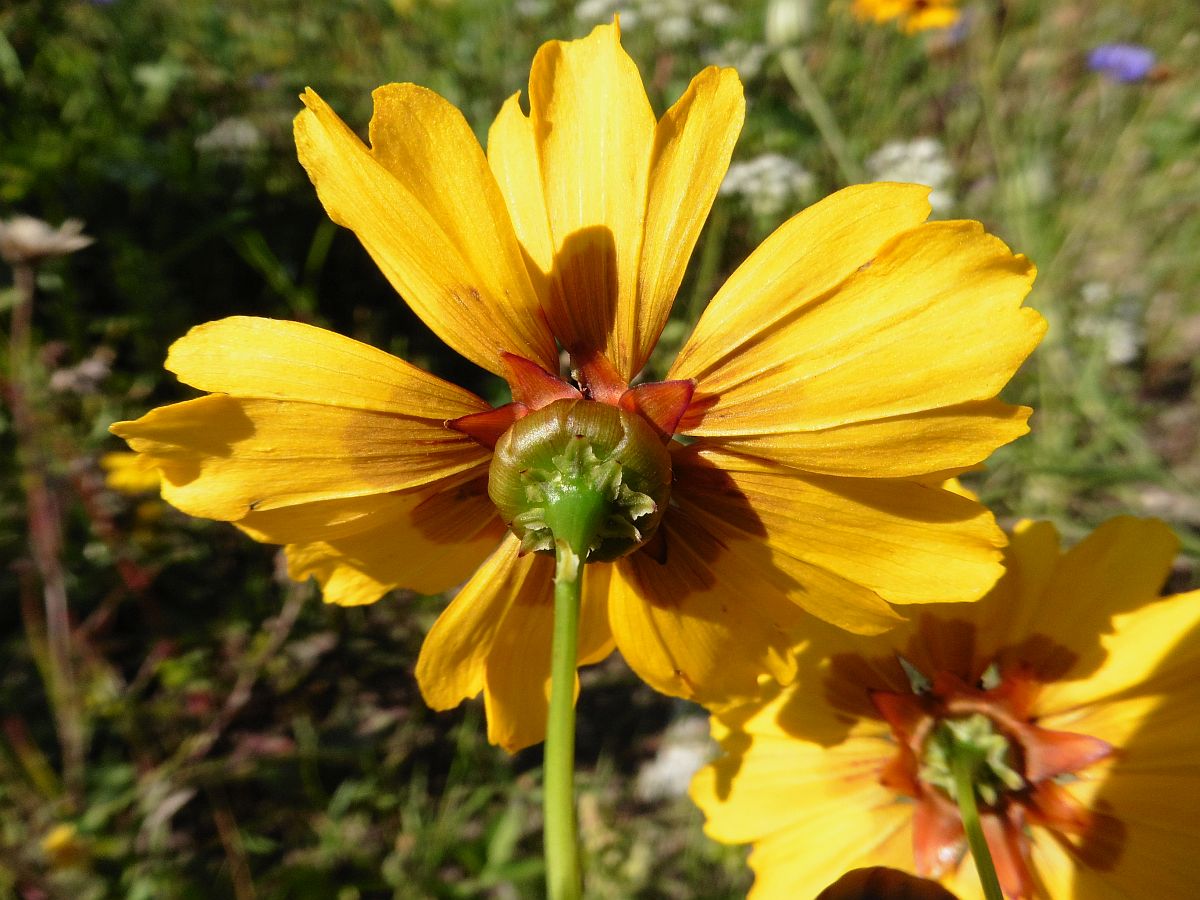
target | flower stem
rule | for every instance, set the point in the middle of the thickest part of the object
(964, 766)
(44, 524)
(796, 71)
(563, 879)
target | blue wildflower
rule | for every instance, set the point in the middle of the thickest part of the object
(1126, 63)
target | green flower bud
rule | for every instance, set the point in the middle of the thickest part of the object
(583, 473)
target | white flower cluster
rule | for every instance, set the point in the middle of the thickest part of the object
(770, 184)
(674, 22)
(231, 137)
(920, 161)
(685, 747)
(746, 57)
(1109, 322)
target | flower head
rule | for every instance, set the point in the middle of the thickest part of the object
(856, 353)
(1126, 63)
(911, 15)
(1072, 673)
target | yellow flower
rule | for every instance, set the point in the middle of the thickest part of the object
(63, 847)
(129, 473)
(1088, 677)
(856, 353)
(914, 15)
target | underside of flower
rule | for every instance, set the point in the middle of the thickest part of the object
(989, 750)
(582, 472)
(1016, 767)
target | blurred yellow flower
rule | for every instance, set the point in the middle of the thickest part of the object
(856, 352)
(63, 847)
(913, 15)
(1087, 678)
(129, 473)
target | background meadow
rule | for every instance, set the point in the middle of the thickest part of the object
(242, 739)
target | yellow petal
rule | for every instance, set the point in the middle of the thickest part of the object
(512, 153)
(222, 457)
(517, 687)
(1118, 568)
(595, 634)
(453, 659)
(809, 255)
(994, 622)
(863, 826)
(358, 549)
(595, 135)
(269, 358)
(1154, 735)
(1151, 650)
(933, 322)
(692, 146)
(781, 792)
(495, 637)
(1057, 872)
(907, 542)
(517, 679)
(830, 597)
(1147, 845)
(703, 624)
(426, 207)
(1032, 556)
(932, 441)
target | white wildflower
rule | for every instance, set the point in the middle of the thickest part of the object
(1111, 324)
(744, 56)
(770, 184)
(919, 161)
(24, 239)
(234, 136)
(717, 15)
(788, 22)
(675, 22)
(684, 749)
(533, 9)
(674, 30)
(86, 376)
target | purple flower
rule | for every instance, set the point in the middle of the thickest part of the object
(1122, 62)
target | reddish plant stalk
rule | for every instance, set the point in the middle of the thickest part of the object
(44, 522)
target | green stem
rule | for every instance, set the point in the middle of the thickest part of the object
(964, 765)
(563, 879)
(792, 62)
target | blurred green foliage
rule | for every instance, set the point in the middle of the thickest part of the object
(245, 740)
